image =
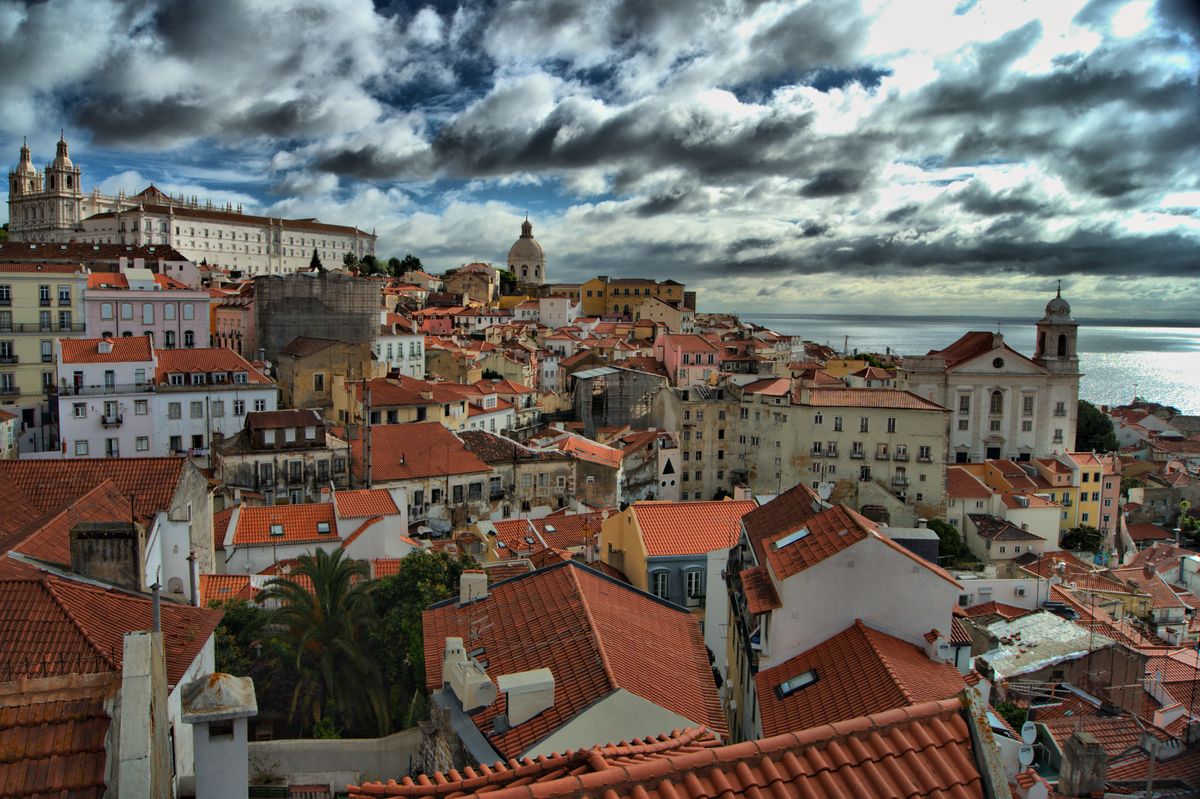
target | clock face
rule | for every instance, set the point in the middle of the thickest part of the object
(998, 363)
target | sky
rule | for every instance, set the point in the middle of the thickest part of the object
(839, 156)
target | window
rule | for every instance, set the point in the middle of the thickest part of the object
(694, 583)
(318, 381)
(127, 311)
(924, 454)
(1058, 435)
(864, 424)
(837, 424)
(797, 683)
(147, 313)
(197, 409)
(817, 419)
(64, 320)
(997, 402)
(169, 311)
(994, 425)
(239, 407)
(47, 351)
(658, 584)
(964, 403)
(143, 443)
(189, 311)
(189, 339)
(260, 405)
(891, 424)
(43, 295)
(174, 410)
(43, 320)
(1060, 409)
(106, 310)
(64, 295)
(5, 294)
(963, 424)
(79, 410)
(1027, 406)
(81, 448)
(141, 407)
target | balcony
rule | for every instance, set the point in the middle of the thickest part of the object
(900, 480)
(37, 327)
(6, 359)
(5, 302)
(831, 452)
(900, 456)
(924, 459)
(115, 388)
(857, 455)
(881, 456)
(112, 420)
(1060, 411)
(44, 302)
(817, 453)
(9, 391)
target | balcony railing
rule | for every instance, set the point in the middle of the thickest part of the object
(9, 359)
(9, 391)
(881, 456)
(115, 388)
(37, 327)
(44, 302)
(1060, 411)
(899, 480)
(112, 420)
(831, 452)
(900, 456)
(857, 455)
(924, 459)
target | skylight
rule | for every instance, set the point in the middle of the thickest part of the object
(322, 527)
(800, 681)
(549, 528)
(791, 538)
(276, 529)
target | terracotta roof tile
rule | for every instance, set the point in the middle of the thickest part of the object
(296, 524)
(783, 514)
(974, 344)
(828, 533)
(53, 625)
(224, 587)
(49, 538)
(760, 592)
(996, 529)
(1144, 531)
(51, 484)
(961, 484)
(999, 609)
(120, 350)
(206, 360)
(870, 398)
(221, 527)
(1115, 733)
(413, 451)
(1161, 595)
(600, 628)
(564, 531)
(364, 502)
(690, 528)
(924, 751)
(859, 669)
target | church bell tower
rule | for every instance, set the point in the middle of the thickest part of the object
(1058, 337)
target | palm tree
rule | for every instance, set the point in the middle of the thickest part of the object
(325, 610)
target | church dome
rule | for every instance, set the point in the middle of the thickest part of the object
(526, 249)
(25, 165)
(1058, 309)
(61, 159)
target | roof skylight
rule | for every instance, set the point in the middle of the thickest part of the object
(791, 538)
(794, 684)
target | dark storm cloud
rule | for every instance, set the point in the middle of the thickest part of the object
(834, 182)
(139, 122)
(901, 213)
(978, 199)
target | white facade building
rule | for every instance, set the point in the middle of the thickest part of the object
(400, 346)
(52, 206)
(123, 398)
(1004, 404)
(557, 311)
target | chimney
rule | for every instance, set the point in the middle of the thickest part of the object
(1148, 570)
(472, 586)
(1084, 765)
(144, 766)
(528, 693)
(742, 491)
(922, 523)
(111, 552)
(465, 677)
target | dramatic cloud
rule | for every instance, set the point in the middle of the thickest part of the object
(833, 155)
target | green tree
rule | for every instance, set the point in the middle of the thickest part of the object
(315, 263)
(326, 613)
(410, 263)
(949, 541)
(1082, 539)
(349, 261)
(492, 374)
(370, 265)
(508, 281)
(1014, 714)
(1094, 430)
(393, 267)
(425, 577)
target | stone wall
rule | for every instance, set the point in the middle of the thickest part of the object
(335, 762)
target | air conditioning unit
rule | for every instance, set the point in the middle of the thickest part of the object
(1020, 591)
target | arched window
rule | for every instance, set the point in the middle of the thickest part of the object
(658, 583)
(1062, 345)
(1041, 344)
(169, 339)
(997, 405)
(70, 182)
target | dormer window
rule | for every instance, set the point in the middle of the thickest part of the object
(220, 377)
(240, 377)
(175, 378)
(276, 529)
(199, 379)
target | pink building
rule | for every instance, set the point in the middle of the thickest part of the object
(233, 320)
(688, 358)
(138, 302)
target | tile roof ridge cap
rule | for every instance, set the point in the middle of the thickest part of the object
(869, 634)
(49, 582)
(595, 634)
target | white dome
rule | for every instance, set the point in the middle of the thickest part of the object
(526, 249)
(1058, 309)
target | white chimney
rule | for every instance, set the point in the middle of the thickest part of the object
(528, 693)
(466, 678)
(472, 586)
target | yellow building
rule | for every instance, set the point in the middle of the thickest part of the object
(840, 367)
(39, 303)
(621, 296)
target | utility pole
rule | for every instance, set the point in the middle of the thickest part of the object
(367, 431)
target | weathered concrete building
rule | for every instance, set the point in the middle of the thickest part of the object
(330, 305)
(283, 456)
(610, 396)
(310, 370)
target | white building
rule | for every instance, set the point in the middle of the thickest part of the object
(53, 207)
(400, 346)
(1004, 404)
(557, 311)
(525, 258)
(123, 398)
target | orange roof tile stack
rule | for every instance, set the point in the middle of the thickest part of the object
(858, 670)
(592, 633)
(206, 360)
(924, 750)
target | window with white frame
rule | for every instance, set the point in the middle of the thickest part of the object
(658, 583)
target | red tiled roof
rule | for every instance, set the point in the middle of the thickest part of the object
(600, 629)
(759, 591)
(53, 737)
(51, 484)
(961, 484)
(414, 451)
(858, 670)
(1144, 531)
(924, 750)
(769, 387)
(690, 528)
(870, 398)
(1161, 555)
(587, 450)
(298, 522)
(385, 567)
(1115, 733)
(223, 587)
(829, 532)
(55, 269)
(959, 634)
(1007, 612)
(56, 625)
(122, 350)
(785, 513)
(206, 360)
(1135, 767)
(364, 502)
(1161, 595)
(688, 341)
(221, 527)
(564, 531)
(974, 344)
(49, 538)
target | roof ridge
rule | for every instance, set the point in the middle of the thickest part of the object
(868, 633)
(49, 582)
(595, 636)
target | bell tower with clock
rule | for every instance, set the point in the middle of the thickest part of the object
(1058, 337)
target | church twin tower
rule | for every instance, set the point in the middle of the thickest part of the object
(39, 202)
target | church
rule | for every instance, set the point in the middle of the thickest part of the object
(51, 206)
(526, 259)
(1002, 403)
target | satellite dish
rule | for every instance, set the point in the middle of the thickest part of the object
(943, 649)
(1025, 755)
(824, 490)
(1029, 732)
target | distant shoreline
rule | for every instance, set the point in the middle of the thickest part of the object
(1099, 322)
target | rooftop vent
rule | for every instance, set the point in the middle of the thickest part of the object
(528, 693)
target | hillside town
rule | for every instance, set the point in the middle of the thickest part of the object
(347, 527)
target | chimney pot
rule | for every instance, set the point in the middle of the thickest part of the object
(472, 586)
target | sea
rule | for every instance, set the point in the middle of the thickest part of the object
(1119, 360)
